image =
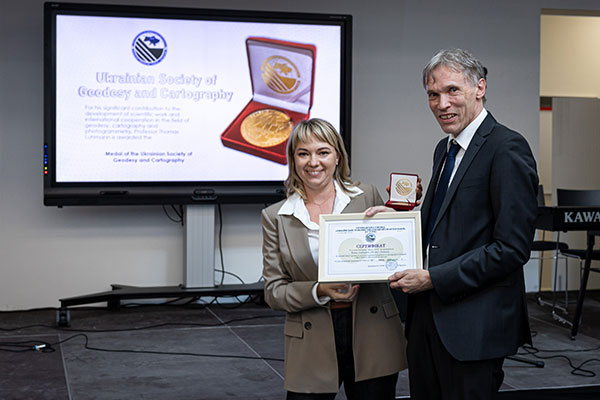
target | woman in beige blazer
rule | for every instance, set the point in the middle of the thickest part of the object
(334, 333)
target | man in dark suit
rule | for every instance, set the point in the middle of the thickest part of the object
(467, 309)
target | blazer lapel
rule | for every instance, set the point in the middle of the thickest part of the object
(296, 235)
(356, 205)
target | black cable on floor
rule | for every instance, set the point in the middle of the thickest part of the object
(27, 345)
(575, 369)
(203, 325)
(47, 347)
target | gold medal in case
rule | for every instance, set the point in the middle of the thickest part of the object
(266, 128)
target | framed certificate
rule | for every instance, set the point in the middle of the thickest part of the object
(356, 248)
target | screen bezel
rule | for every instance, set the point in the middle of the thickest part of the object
(178, 192)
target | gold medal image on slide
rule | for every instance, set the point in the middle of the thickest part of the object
(280, 74)
(266, 128)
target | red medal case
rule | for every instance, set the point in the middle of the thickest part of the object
(406, 205)
(282, 77)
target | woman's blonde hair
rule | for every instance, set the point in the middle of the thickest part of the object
(322, 131)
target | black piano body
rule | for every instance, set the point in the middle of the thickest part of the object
(571, 218)
(568, 218)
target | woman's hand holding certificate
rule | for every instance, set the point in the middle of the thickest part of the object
(338, 291)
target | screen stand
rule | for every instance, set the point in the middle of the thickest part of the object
(198, 271)
(199, 246)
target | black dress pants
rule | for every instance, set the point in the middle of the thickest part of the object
(435, 374)
(381, 388)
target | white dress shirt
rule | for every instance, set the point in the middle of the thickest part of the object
(464, 139)
(294, 205)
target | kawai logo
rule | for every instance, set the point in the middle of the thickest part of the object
(574, 217)
(149, 47)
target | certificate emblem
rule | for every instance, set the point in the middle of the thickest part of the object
(391, 264)
(370, 237)
(280, 74)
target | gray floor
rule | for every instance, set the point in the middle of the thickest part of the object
(138, 368)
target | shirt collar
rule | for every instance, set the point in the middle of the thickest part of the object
(464, 138)
(294, 205)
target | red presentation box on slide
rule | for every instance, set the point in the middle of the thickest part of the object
(282, 77)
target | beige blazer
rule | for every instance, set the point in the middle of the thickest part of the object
(290, 274)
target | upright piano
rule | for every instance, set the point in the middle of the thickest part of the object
(573, 219)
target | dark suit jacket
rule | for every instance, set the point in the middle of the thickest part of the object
(310, 356)
(479, 244)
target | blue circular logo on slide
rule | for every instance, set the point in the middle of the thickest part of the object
(149, 47)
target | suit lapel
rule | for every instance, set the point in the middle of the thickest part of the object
(437, 169)
(476, 143)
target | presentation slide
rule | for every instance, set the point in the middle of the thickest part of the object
(155, 100)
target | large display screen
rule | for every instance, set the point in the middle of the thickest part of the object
(152, 105)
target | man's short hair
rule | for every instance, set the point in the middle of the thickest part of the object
(458, 60)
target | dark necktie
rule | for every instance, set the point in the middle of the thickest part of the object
(442, 188)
